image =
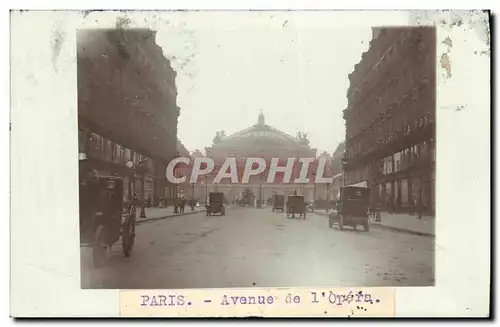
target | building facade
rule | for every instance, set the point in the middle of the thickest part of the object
(184, 189)
(127, 108)
(338, 176)
(390, 119)
(263, 141)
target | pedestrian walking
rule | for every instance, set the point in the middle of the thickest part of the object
(183, 204)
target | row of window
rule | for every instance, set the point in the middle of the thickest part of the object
(405, 192)
(357, 175)
(396, 162)
(379, 135)
(397, 98)
(98, 146)
(153, 87)
(384, 61)
(402, 160)
(401, 81)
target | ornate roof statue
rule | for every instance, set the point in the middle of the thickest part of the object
(219, 135)
(262, 120)
(303, 138)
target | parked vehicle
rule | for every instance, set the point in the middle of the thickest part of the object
(278, 202)
(216, 204)
(296, 205)
(352, 209)
(104, 217)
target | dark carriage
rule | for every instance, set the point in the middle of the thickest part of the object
(296, 205)
(104, 217)
(191, 203)
(216, 204)
(352, 208)
(278, 202)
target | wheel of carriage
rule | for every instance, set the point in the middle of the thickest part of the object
(99, 248)
(128, 236)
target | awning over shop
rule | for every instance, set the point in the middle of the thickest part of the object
(360, 184)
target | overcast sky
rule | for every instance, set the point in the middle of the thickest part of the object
(293, 66)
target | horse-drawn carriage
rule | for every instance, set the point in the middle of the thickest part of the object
(296, 205)
(278, 202)
(104, 217)
(216, 204)
(352, 210)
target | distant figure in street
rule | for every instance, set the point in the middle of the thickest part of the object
(183, 204)
(420, 205)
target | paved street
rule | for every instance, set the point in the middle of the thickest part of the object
(258, 247)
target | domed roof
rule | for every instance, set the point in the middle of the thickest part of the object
(260, 135)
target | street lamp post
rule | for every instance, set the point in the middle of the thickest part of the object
(259, 205)
(141, 167)
(176, 195)
(143, 209)
(206, 189)
(130, 165)
(314, 186)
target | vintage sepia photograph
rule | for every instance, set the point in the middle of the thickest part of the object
(250, 163)
(215, 154)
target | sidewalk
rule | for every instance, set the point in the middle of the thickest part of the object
(151, 215)
(160, 213)
(402, 222)
(407, 223)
